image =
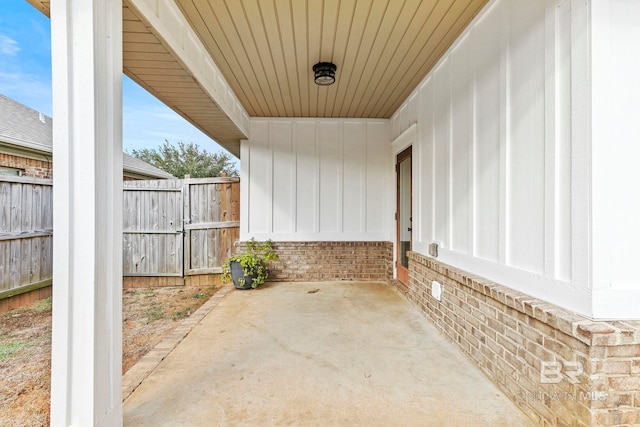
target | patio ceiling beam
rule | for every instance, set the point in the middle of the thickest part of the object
(86, 359)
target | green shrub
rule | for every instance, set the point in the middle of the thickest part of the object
(253, 262)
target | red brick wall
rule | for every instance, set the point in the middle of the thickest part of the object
(326, 261)
(30, 167)
(591, 368)
(36, 168)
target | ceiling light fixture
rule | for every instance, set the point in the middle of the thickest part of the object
(324, 73)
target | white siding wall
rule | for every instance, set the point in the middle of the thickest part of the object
(616, 153)
(503, 180)
(317, 179)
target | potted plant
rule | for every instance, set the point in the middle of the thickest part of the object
(249, 269)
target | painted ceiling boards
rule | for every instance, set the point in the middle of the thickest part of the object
(382, 48)
(266, 49)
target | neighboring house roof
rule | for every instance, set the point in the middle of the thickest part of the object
(27, 129)
(24, 127)
(140, 167)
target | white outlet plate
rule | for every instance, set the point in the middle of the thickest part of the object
(436, 290)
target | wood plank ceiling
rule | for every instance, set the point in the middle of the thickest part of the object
(266, 50)
(150, 63)
(382, 48)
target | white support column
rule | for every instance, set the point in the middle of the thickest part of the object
(87, 276)
(615, 131)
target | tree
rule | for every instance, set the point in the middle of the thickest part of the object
(187, 159)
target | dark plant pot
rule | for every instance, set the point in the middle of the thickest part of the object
(237, 273)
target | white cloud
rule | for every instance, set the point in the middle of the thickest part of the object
(8, 46)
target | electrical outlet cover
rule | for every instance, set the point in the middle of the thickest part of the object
(436, 290)
(433, 249)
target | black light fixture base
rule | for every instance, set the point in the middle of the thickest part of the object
(324, 73)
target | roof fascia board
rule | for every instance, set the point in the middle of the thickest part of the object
(24, 149)
(187, 48)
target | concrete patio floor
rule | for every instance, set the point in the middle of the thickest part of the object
(317, 354)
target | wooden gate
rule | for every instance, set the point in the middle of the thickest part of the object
(152, 231)
(212, 223)
(178, 228)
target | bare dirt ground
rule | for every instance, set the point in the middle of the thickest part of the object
(25, 345)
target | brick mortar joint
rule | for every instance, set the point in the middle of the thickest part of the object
(587, 331)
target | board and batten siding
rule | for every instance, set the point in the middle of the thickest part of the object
(317, 180)
(501, 161)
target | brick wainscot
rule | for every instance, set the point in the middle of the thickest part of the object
(325, 261)
(559, 367)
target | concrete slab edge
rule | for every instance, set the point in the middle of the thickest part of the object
(149, 362)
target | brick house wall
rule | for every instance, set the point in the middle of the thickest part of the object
(559, 367)
(30, 167)
(326, 261)
(36, 168)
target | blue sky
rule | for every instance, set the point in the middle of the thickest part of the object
(25, 75)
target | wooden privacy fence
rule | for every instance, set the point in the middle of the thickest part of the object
(26, 230)
(178, 228)
(172, 229)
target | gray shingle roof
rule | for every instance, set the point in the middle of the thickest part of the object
(24, 127)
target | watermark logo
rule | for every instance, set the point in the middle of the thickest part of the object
(554, 372)
(545, 396)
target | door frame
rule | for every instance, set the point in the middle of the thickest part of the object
(406, 139)
(402, 273)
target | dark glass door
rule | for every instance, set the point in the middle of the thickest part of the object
(403, 214)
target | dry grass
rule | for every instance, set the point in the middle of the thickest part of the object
(25, 345)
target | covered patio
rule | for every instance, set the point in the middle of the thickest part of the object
(479, 155)
(317, 354)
